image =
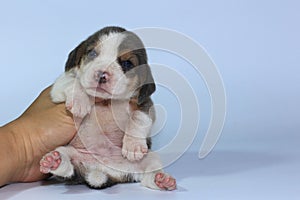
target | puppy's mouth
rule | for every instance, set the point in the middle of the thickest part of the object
(101, 89)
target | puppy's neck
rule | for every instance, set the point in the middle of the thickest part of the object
(103, 102)
(108, 102)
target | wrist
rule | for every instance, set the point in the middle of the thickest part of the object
(16, 153)
(9, 158)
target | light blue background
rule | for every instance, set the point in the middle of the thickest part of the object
(255, 45)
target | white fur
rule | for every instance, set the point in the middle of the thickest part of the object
(68, 89)
(96, 178)
(63, 87)
(106, 63)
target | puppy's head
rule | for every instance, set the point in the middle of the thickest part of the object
(112, 64)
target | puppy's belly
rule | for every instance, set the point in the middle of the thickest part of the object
(103, 154)
(100, 135)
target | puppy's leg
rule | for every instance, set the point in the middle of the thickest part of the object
(78, 102)
(67, 88)
(96, 178)
(135, 140)
(154, 177)
(62, 86)
(58, 162)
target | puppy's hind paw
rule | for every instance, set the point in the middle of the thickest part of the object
(165, 182)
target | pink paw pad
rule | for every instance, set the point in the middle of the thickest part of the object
(165, 182)
(50, 161)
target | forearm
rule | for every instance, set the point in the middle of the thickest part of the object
(40, 129)
(139, 125)
(8, 155)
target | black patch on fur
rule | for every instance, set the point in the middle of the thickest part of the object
(75, 56)
(145, 93)
(149, 142)
(73, 180)
(128, 178)
(147, 85)
(108, 183)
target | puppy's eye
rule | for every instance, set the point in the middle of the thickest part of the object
(92, 54)
(126, 65)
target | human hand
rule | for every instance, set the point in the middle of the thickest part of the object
(40, 129)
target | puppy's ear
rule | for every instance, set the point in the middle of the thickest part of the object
(147, 85)
(145, 92)
(75, 56)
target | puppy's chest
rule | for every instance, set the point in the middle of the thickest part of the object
(111, 116)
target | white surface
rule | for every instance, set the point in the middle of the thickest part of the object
(235, 174)
(254, 43)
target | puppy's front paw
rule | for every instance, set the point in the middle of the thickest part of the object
(56, 163)
(79, 105)
(50, 162)
(134, 148)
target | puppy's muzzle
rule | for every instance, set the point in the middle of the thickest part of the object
(102, 77)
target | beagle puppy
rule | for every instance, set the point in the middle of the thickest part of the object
(107, 86)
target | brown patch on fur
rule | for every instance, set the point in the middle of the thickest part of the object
(133, 104)
(105, 102)
(129, 55)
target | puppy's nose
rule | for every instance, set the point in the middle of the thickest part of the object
(102, 77)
